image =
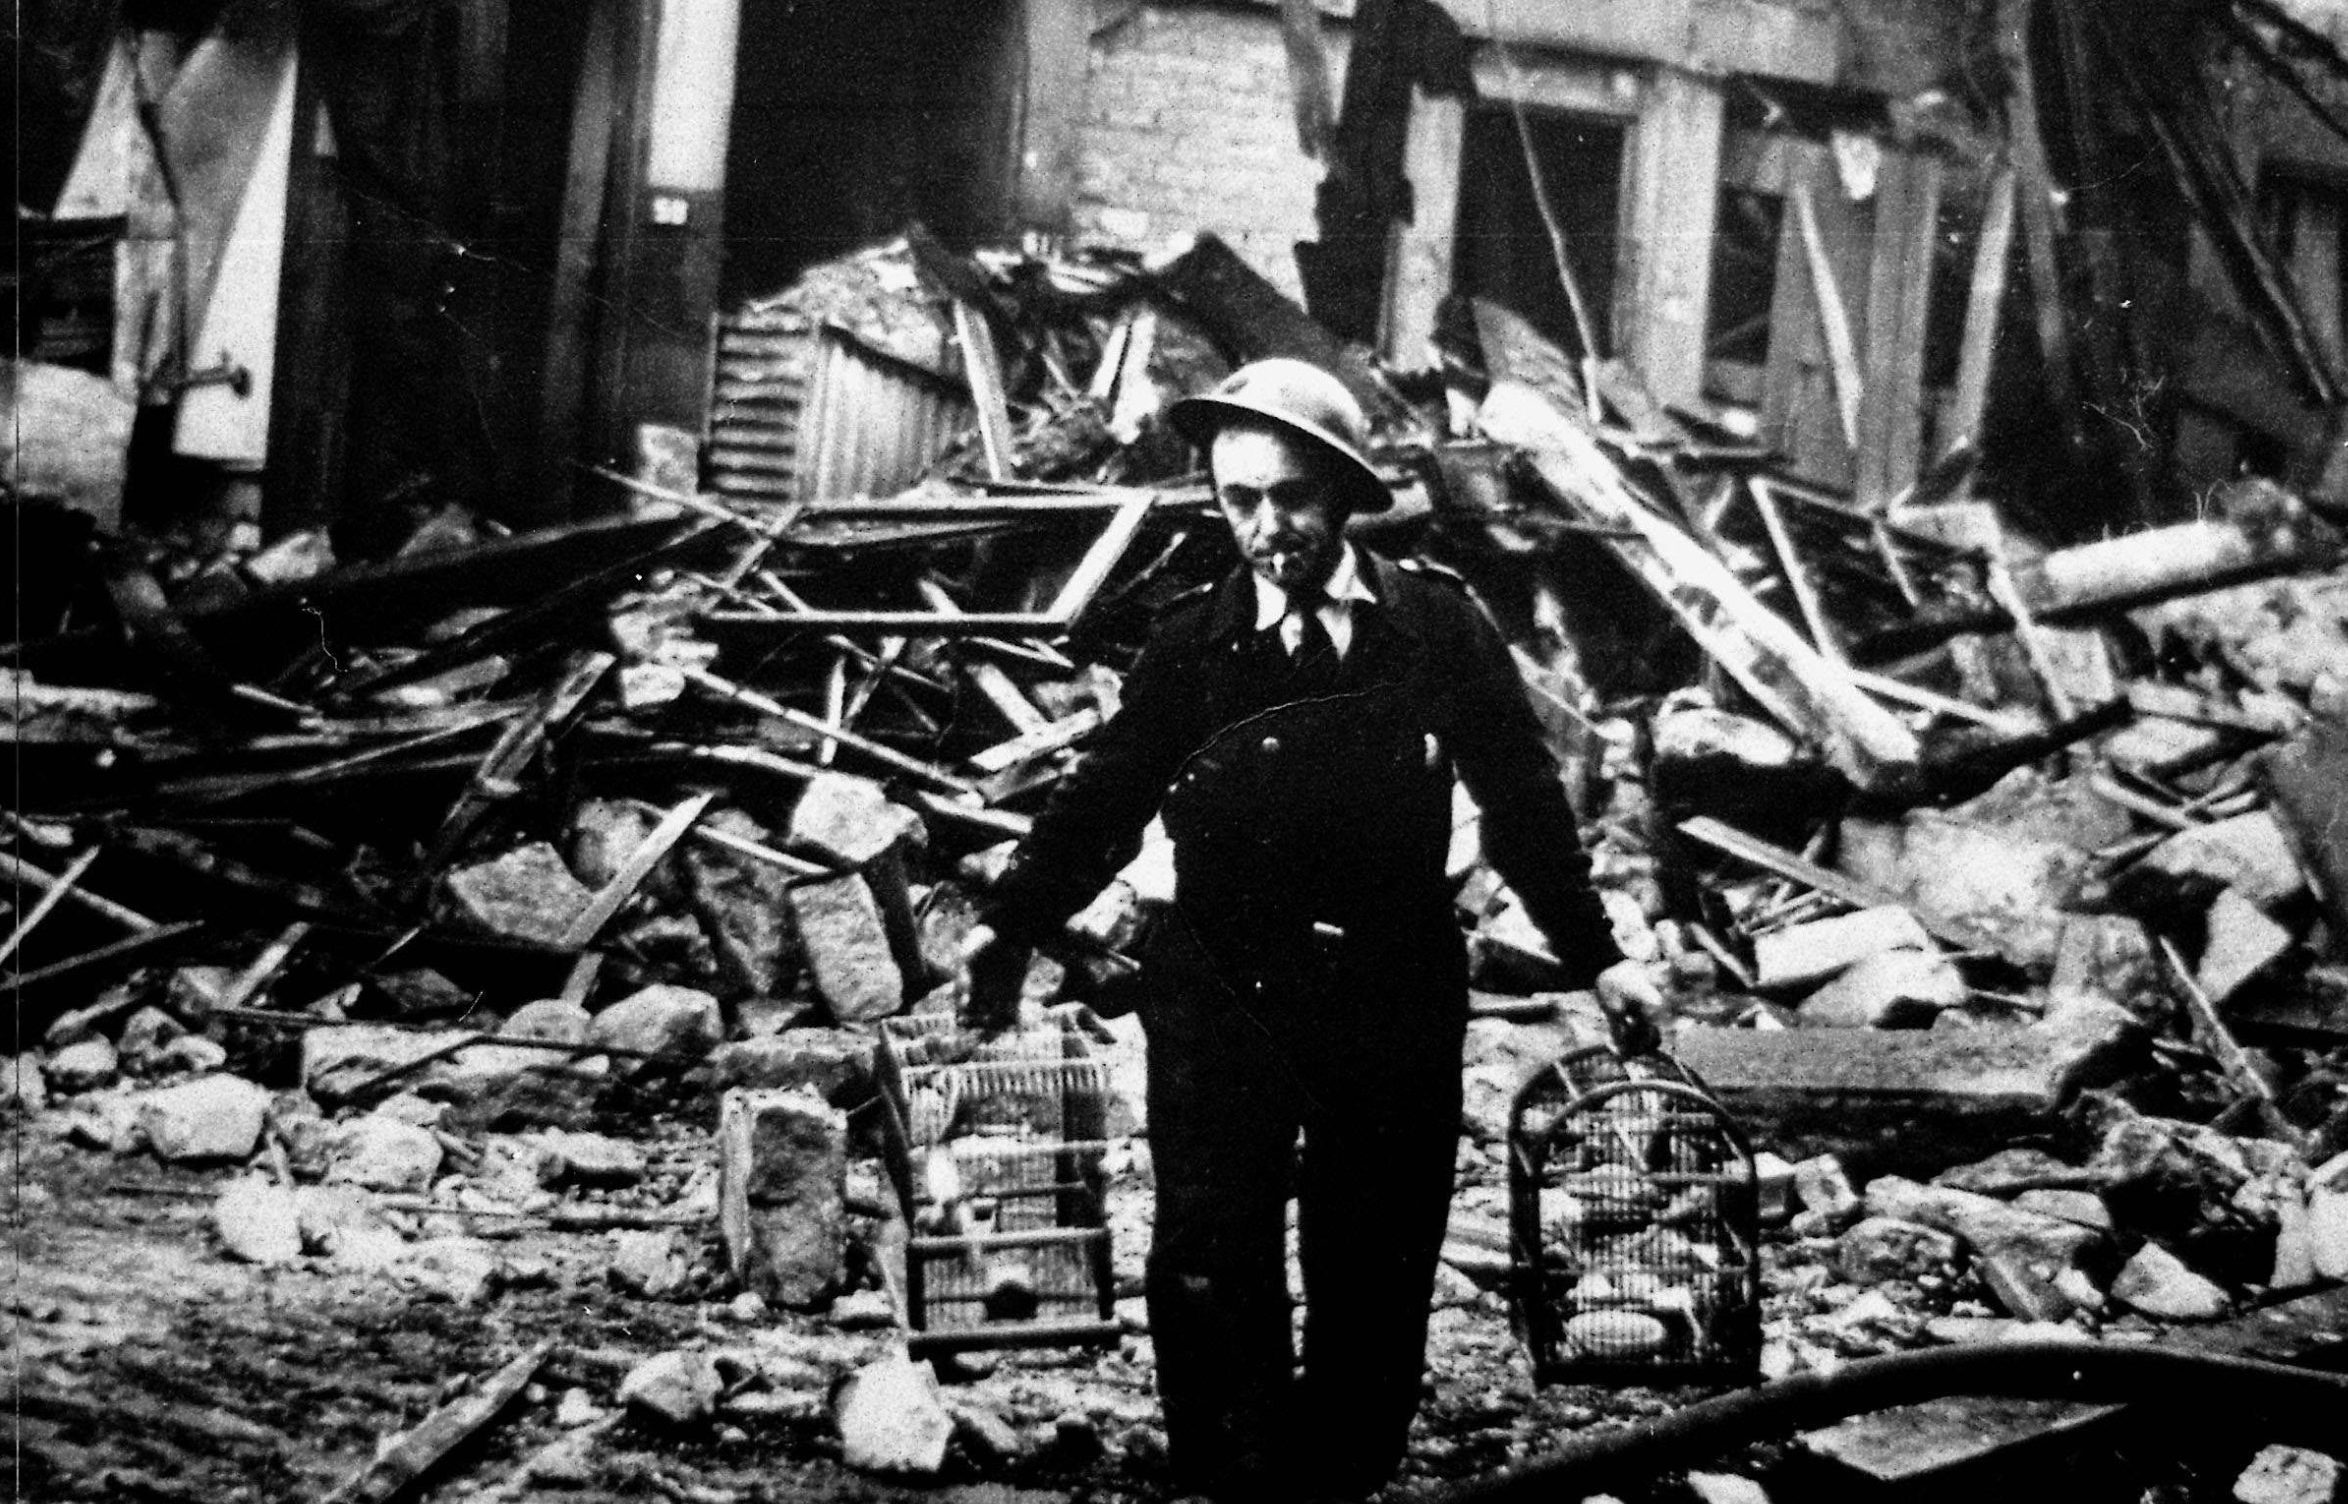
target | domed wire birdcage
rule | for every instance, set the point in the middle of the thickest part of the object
(1634, 1225)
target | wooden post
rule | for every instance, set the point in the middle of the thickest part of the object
(1907, 223)
(1670, 198)
(1056, 37)
(1993, 253)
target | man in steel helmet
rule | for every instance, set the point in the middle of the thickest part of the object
(1298, 730)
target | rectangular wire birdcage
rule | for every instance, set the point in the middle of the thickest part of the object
(1634, 1226)
(996, 1148)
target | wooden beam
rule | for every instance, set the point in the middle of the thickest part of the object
(1056, 38)
(1993, 254)
(572, 309)
(1834, 310)
(1670, 194)
(1891, 409)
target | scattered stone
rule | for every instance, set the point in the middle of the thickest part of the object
(590, 1159)
(2158, 1283)
(416, 1112)
(2241, 941)
(2327, 1231)
(985, 1433)
(1824, 1190)
(551, 1019)
(23, 1087)
(2108, 957)
(342, 1222)
(2082, 1207)
(660, 1020)
(191, 1055)
(2012, 1171)
(849, 821)
(891, 1419)
(526, 894)
(258, 1221)
(194, 991)
(863, 1311)
(576, 1408)
(2294, 1267)
(338, 1061)
(463, 1271)
(657, 1265)
(835, 1064)
(382, 1154)
(848, 949)
(747, 1306)
(107, 1120)
(84, 1066)
(2289, 1475)
(218, 1117)
(419, 992)
(1805, 954)
(782, 1172)
(2043, 1244)
(1727, 1488)
(144, 1034)
(1893, 989)
(2248, 853)
(1877, 1249)
(674, 1388)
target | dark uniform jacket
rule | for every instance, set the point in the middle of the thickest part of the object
(1310, 804)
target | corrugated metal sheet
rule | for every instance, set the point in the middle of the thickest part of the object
(800, 411)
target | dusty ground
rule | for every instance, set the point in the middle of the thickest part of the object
(146, 1364)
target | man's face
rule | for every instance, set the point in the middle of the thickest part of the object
(1278, 498)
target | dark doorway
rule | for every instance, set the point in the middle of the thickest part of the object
(1503, 251)
(850, 121)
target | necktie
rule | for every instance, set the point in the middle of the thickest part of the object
(1312, 634)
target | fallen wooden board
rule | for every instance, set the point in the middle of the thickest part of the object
(1933, 1440)
(397, 1469)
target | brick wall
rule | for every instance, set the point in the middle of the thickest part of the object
(1189, 125)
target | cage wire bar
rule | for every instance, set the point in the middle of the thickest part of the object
(1634, 1226)
(997, 1149)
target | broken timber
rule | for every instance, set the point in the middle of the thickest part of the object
(1807, 692)
(406, 1461)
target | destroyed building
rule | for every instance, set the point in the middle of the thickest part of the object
(556, 544)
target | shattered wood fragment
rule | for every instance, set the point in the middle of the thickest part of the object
(272, 959)
(402, 1466)
(2235, 1061)
(64, 884)
(878, 751)
(1794, 682)
(982, 367)
(20, 871)
(154, 941)
(647, 855)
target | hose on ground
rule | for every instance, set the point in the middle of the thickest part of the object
(2284, 1404)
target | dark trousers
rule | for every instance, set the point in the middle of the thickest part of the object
(1348, 1100)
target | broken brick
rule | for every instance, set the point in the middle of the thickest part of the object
(848, 950)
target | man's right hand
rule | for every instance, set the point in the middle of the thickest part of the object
(994, 972)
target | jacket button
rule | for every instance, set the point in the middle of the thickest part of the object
(1270, 746)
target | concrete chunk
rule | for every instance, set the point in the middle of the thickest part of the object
(849, 821)
(218, 1117)
(382, 1154)
(2290, 1475)
(835, 1064)
(83, 1066)
(2047, 1245)
(257, 1221)
(1893, 989)
(891, 1419)
(2158, 1283)
(661, 1019)
(144, 1035)
(2249, 853)
(1802, 955)
(2241, 942)
(590, 1159)
(674, 1388)
(782, 1174)
(1876, 1249)
(526, 894)
(1867, 1094)
(22, 1086)
(848, 950)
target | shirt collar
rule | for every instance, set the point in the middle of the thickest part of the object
(1347, 583)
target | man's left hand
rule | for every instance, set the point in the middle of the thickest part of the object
(1633, 1005)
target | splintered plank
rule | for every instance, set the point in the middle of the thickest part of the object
(406, 1461)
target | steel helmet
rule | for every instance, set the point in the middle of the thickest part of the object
(1300, 398)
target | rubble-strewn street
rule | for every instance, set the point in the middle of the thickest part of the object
(534, 647)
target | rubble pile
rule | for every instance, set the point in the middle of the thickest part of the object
(1998, 888)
